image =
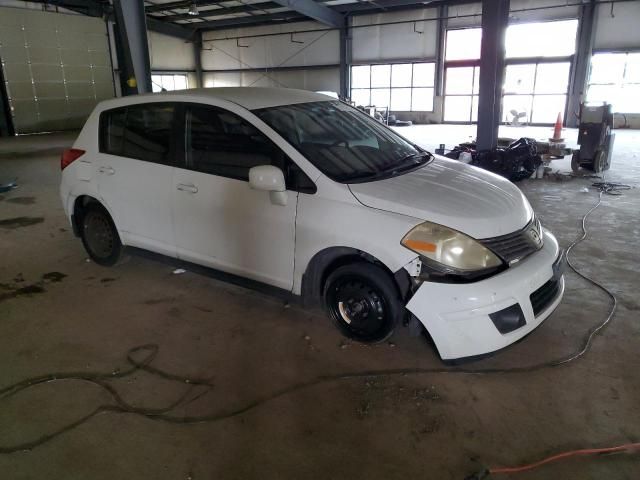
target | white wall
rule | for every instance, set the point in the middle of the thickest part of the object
(170, 53)
(326, 79)
(319, 48)
(395, 42)
(620, 31)
(174, 54)
(274, 51)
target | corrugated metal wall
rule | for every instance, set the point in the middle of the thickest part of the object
(56, 68)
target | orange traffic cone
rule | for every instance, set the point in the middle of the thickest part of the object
(557, 129)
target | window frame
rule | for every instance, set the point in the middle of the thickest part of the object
(183, 154)
(391, 87)
(508, 61)
(173, 142)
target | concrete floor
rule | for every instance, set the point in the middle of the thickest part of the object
(436, 426)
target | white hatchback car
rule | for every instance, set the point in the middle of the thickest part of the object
(301, 192)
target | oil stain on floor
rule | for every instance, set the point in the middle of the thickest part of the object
(19, 222)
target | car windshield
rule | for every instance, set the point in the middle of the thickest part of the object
(344, 143)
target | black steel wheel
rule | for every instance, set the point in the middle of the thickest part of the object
(363, 302)
(100, 236)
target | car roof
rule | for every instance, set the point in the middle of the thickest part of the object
(250, 98)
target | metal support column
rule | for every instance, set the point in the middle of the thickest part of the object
(443, 13)
(580, 74)
(495, 18)
(345, 59)
(135, 68)
(197, 51)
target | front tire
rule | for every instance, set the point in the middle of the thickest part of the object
(100, 236)
(363, 302)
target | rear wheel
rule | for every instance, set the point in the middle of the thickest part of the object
(363, 302)
(598, 162)
(575, 161)
(100, 236)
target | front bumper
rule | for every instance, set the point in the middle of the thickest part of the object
(457, 315)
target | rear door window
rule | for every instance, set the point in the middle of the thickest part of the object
(149, 132)
(143, 132)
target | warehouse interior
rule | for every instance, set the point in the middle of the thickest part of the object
(277, 391)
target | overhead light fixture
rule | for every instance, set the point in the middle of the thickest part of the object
(193, 9)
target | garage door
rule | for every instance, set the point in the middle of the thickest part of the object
(56, 68)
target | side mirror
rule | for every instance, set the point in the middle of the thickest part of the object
(269, 179)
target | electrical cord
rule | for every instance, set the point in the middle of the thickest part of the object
(626, 448)
(149, 352)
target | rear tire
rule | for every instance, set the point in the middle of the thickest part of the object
(598, 162)
(575, 163)
(363, 301)
(100, 236)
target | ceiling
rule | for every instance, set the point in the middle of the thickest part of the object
(180, 16)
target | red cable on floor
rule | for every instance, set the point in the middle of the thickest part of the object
(571, 453)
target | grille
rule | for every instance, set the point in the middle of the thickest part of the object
(542, 297)
(517, 245)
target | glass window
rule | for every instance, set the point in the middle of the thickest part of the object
(112, 131)
(552, 77)
(422, 100)
(632, 70)
(459, 80)
(168, 82)
(513, 105)
(400, 99)
(221, 143)
(361, 76)
(424, 74)
(519, 78)
(342, 142)
(546, 108)
(380, 97)
(401, 75)
(457, 108)
(361, 97)
(380, 76)
(377, 84)
(148, 132)
(463, 44)
(541, 39)
(615, 79)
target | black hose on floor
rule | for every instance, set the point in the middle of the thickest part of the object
(141, 357)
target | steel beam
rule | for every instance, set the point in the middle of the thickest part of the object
(495, 18)
(133, 47)
(171, 29)
(580, 74)
(345, 58)
(379, 5)
(316, 11)
(197, 51)
(251, 20)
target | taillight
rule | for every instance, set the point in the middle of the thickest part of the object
(69, 156)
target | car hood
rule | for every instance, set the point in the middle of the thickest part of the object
(450, 193)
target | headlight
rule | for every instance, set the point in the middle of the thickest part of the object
(449, 248)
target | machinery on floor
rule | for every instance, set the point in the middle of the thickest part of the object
(595, 138)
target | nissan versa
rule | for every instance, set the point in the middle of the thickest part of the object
(301, 192)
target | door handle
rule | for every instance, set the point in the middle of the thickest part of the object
(107, 170)
(191, 188)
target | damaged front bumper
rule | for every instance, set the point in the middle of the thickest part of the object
(471, 319)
